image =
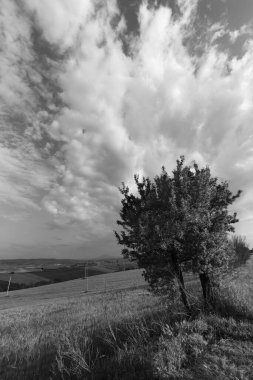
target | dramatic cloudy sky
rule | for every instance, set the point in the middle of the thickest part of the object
(93, 91)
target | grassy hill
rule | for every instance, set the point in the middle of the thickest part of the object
(67, 290)
(120, 331)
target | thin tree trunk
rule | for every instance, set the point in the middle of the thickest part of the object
(180, 279)
(206, 288)
(183, 293)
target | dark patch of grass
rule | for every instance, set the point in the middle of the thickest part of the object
(122, 350)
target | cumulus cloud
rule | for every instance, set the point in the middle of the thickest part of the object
(60, 20)
(133, 113)
(129, 114)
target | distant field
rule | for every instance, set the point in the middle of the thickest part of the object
(74, 288)
(71, 273)
(30, 273)
(34, 265)
(23, 278)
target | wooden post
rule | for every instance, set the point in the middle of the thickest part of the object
(86, 278)
(7, 293)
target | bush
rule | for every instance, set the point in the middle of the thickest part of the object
(241, 249)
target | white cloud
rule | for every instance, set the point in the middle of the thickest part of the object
(60, 20)
(134, 114)
(217, 31)
(141, 113)
(245, 30)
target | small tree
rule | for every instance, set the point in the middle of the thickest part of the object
(206, 234)
(152, 231)
(177, 220)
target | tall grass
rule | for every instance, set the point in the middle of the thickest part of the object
(233, 298)
(32, 336)
(130, 334)
(163, 344)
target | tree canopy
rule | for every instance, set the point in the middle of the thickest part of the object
(177, 223)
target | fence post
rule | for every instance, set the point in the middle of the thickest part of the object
(7, 293)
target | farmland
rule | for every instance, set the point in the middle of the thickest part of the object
(29, 273)
(22, 278)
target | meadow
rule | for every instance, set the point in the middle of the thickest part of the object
(118, 330)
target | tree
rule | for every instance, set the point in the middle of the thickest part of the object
(208, 225)
(177, 222)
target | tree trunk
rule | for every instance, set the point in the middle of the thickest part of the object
(183, 291)
(206, 288)
(180, 280)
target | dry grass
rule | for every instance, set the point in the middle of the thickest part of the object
(32, 335)
(126, 334)
(206, 348)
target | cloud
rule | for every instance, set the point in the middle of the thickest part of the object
(15, 48)
(142, 111)
(127, 114)
(26, 170)
(245, 30)
(21, 178)
(60, 20)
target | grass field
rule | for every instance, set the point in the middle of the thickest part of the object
(60, 331)
(71, 289)
(71, 273)
(35, 322)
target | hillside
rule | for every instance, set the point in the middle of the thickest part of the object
(29, 273)
(72, 289)
(117, 330)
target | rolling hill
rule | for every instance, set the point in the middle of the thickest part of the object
(74, 288)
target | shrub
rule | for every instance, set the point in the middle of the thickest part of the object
(241, 249)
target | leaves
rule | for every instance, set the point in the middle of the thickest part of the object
(176, 219)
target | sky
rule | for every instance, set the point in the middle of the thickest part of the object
(95, 91)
